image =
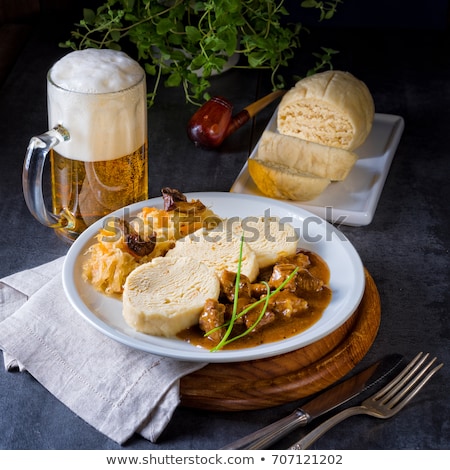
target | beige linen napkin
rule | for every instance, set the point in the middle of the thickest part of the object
(116, 389)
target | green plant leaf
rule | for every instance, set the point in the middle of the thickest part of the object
(164, 26)
(150, 69)
(198, 62)
(115, 35)
(88, 16)
(174, 79)
(309, 4)
(175, 37)
(193, 33)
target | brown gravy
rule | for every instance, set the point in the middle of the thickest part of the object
(284, 328)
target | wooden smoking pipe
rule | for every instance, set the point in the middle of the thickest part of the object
(214, 122)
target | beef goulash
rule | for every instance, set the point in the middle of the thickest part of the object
(292, 310)
(176, 269)
(266, 256)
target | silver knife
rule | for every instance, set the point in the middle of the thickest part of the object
(376, 375)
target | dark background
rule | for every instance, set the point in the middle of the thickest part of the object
(17, 17)
(400, 49)
(398, 14)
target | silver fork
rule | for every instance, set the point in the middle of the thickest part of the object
(386, 402)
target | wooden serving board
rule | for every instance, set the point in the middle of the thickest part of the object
(277, 380)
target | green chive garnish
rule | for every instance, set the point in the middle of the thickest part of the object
(234, 316)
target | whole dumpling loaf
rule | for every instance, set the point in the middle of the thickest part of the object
(331, 108)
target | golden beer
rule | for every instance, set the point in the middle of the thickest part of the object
(85, 191)
(97, 142)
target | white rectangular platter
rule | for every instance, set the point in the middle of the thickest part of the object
(354, 200)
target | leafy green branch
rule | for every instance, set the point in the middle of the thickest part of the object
(184, 42)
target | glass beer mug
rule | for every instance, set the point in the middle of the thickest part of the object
(97, 113)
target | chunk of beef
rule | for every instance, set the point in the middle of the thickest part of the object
(300, 259)
(307, 282)
(242, 303)
(227, 285)
(280, 273)
(213, 316)
(287, 304)
(252, 316)
(258, 289)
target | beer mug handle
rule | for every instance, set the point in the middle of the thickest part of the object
(33, 168)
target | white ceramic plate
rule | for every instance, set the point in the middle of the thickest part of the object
(346, 281)
(353, 201)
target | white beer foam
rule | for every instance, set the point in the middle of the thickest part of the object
(97, 101)
(96, 71)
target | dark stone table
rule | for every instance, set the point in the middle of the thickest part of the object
(405, 248)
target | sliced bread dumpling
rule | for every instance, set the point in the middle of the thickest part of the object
(308, 157)
(219, 250)
(268, 236)
(282, 182)
(167, 295)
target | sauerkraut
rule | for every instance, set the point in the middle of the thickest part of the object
(110, 260)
